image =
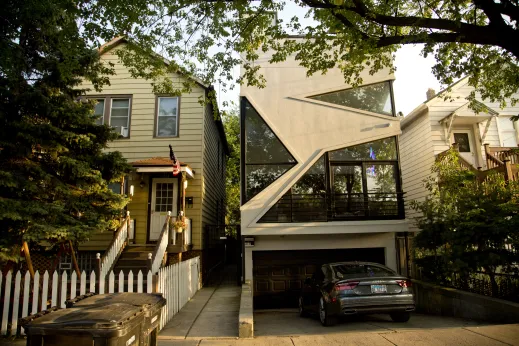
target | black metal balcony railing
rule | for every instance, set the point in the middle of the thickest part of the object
(336, 207)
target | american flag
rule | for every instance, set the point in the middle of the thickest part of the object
(176, 163)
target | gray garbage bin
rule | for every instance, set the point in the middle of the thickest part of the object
(151, 305)
(99, 325)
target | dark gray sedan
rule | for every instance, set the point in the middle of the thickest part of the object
(348, 288)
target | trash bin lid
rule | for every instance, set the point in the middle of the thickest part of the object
(98, 317)
(144, 300)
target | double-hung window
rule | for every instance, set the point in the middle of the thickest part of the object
(115, 111)
(120, 116)
(167, 116)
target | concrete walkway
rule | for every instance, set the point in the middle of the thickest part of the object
(212, 313)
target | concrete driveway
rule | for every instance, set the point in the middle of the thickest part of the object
(285, 327)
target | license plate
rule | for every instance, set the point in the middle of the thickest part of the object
(378, 288)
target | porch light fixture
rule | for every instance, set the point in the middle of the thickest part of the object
(142, 183)
(185, 184)
(132, 190)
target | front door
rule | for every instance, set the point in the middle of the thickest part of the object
(465, 139)
(164, 192)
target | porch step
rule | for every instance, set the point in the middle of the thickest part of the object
(134, 258)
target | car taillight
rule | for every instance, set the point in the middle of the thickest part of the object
(346, 286)
(405, 283)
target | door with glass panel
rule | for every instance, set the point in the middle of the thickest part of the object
(347, 191)
(164, 195)
(465, 141)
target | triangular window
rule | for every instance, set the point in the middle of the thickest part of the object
(266, 158)
(375, 98)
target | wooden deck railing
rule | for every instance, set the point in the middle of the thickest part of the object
(504, 153)
(499, 159)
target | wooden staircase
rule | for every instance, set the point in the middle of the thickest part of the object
(134, 258)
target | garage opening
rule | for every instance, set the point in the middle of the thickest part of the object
(279, 275)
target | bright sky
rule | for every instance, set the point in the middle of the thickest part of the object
(413, 72)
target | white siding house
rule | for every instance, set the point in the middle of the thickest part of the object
(433, 126)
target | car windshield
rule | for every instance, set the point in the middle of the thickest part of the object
(350, 271)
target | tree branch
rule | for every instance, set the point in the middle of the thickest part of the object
(492, 12)
(435, 37)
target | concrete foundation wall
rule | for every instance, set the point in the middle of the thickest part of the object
(326, 241)
(438, 300)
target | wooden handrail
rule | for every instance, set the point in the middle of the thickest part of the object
(161, 246)
(117, 241)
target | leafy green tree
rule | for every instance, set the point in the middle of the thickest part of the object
(53, 170)
(231, 123)
(468, 223)
(477, 38)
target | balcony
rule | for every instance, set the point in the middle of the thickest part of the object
(336, 207)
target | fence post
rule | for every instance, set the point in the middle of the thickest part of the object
(150, 262)
(128, 223)
(508, 170)
(98, 272)
(487, 152)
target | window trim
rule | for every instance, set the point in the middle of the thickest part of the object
(104, 108)
(108, 108)
(156, 115)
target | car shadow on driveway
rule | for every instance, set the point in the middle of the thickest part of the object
(288, 323)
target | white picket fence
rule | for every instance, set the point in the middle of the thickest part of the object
(22, 296)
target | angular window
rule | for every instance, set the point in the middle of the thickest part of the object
(167, 117)
(382, 149)
(375, 98)
(266, 158)
(305, 201)
(120, 116)
(355, 183)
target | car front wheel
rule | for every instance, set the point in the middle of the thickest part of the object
(324, 317)
(400, 316)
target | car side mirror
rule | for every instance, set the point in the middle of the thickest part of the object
(308, 281)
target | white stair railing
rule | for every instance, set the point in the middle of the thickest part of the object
(161, 247)
(116, 247)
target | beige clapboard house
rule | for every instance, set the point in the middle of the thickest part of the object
(486, 141)
(148, 124)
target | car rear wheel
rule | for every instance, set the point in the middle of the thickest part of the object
(324, 317)
(400, 316)
(302, 311)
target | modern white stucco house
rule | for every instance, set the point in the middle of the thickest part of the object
(320, 177)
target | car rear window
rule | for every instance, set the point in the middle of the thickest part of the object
(350, 271)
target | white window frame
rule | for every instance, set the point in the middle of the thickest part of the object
(157, 115)
(128, 115)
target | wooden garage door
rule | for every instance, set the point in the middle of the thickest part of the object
(278, 275)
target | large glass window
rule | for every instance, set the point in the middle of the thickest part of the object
(374, 98)
(355, 183)
(167, 117)
(120, 116)
(382, 149)
(266, 158)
